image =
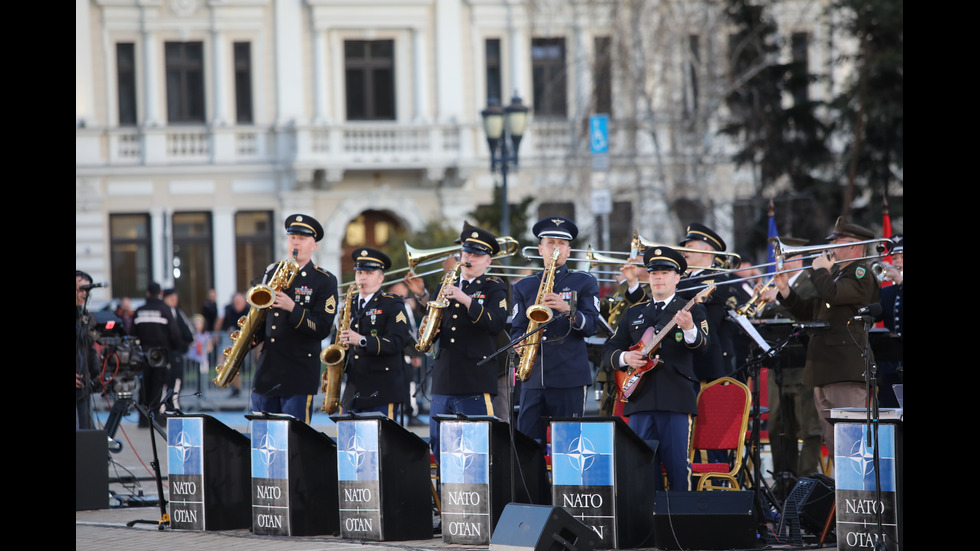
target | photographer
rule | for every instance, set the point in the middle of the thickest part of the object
(155, 327)
(86, 358)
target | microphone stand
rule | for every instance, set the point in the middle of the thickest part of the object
(515, 465)
(872, 424)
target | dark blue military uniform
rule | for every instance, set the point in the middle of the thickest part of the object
(664, 404)
(467, 336)
(375, 371)
(288, 373)
(562, 364)
(290, 360)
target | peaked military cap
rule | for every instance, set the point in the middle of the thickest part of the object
(370, 260)
(700, 232)
(555, 226)
(301, 224)
(843, 228)
(664, 258)
(478, 241)
(899, 241)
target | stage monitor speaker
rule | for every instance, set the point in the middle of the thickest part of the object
(525, 527)
(719, 519)
(91, 470)
(814, 497)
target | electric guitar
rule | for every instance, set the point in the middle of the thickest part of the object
(628, 381)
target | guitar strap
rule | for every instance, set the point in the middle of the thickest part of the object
(667, 313)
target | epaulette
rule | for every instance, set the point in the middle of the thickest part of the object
(322, 271)
(641, 303)
(495, 279)
(391, 295)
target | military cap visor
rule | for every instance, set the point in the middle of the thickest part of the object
(478, 241)
(664, 258)
(844, 229)
(301, 224)
(700, 232)
(369, 260)
(556, 227)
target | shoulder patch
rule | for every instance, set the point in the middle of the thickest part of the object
(859, 272)
(503, 303)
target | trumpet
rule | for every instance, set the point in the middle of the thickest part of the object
(880, 270)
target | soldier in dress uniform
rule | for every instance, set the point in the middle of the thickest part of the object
(665, 403)
(844, 284)
(475, 315)
(288, 373)
(717, 360)
(892, 314)
(562, 372)
(378, 334)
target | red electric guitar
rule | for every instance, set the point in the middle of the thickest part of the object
(628, 381)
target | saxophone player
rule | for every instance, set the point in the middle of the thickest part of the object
(288, 373)
(376, 340)
(475, 313)
(561, 373)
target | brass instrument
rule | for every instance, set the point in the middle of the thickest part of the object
(433, 315)
(751, 308)
(261, 297)
(333, 356)
(537, 314)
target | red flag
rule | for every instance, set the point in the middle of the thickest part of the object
(886, 231)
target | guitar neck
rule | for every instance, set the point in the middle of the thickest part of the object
(655, 341)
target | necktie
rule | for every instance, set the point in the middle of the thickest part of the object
(360, 307)
(464, 285)
(658, 306)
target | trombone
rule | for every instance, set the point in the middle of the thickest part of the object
(425, 257)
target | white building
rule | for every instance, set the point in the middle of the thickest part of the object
(202, 124)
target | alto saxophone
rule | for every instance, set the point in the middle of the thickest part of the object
(537, 314)
(333, 356)
(261, 297)
(433, 316)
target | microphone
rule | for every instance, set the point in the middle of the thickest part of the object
(868, 313)
(91, 286)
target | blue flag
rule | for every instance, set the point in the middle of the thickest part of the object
(773, 232)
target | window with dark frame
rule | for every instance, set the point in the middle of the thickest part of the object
(130, 254)
(185, 82)
(126, 82)
(243, 82)
(602, 75)
(369, 69)
(494, 81)
(801, 66)
(193, 260)
(254, 246)
(694, 61)
(620, 225)
(549, 78)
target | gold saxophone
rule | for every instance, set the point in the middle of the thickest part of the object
(333, 356)
(536, 315)
(433, 315)
(260, 297)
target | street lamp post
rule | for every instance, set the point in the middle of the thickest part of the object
(504, 128)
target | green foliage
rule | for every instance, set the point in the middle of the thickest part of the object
(778, 141)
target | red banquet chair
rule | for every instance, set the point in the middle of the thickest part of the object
(723, 415)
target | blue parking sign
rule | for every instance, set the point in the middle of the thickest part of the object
(599, 133)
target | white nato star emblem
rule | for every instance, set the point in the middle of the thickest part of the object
(581, 453)
(862, 460)
(184, 446)
(267, 448)
(462, 452)
(355, 451)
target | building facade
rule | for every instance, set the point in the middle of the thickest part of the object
(202, 124)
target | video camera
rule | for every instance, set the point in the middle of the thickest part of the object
(121, 355)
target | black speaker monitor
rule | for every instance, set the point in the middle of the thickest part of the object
(721, 519)
(525, 527)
